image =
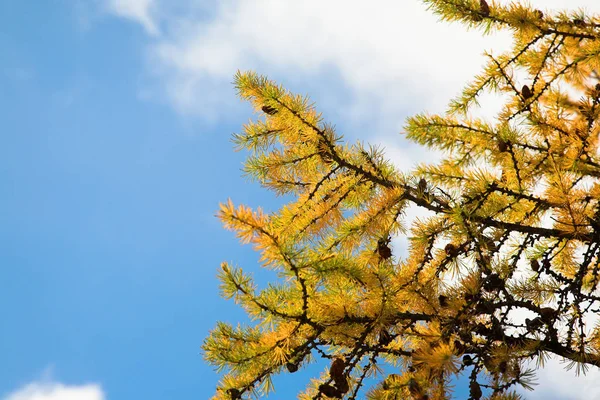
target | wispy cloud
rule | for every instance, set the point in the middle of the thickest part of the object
(56, 391)
(140, 11)
(388, 55)
(391, 57)
(556, 383)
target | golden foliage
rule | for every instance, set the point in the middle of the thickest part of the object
(514, 227)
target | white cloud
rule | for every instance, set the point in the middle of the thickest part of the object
(389, 55)
(139, 11)
(56, 391)
(555, 383)
(393, 57)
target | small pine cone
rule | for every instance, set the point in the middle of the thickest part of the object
(234, 394)
(269, 110)
(383, 249)
(493, 282)
(292, 367)
(502, 146)
(595, 95)
(579, 22)
(342, 386)
(475, 390)
(535, 265)
(526, 92)
(336, 371)
(547, 313)
(534, 324)
(330, 391)
(467, 360)
(451, 250)
(422, 185)
(443, 300)
(484, 8)
(385, 338)
(539, 14)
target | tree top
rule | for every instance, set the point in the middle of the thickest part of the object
(504, 271)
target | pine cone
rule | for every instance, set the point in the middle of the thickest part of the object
(596, 91)
(502, 146)
(443, 300)
(535, 265)
(422, 185)
(451, 250)
(484, 8)
(336, 371)
(292, 367)
(330, 391)
(269, 110)
(385, 338)
(234, 394)
(534, 324)
(475, 390)
(383, 249)
(343, 386)
(547, 313)
(493, 282)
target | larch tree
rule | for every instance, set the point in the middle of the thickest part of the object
(502, 274)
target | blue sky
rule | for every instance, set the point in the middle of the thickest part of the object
(115, 126)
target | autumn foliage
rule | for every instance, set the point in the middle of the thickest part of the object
(503, 273)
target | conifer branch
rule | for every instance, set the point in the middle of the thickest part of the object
(527, 240)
